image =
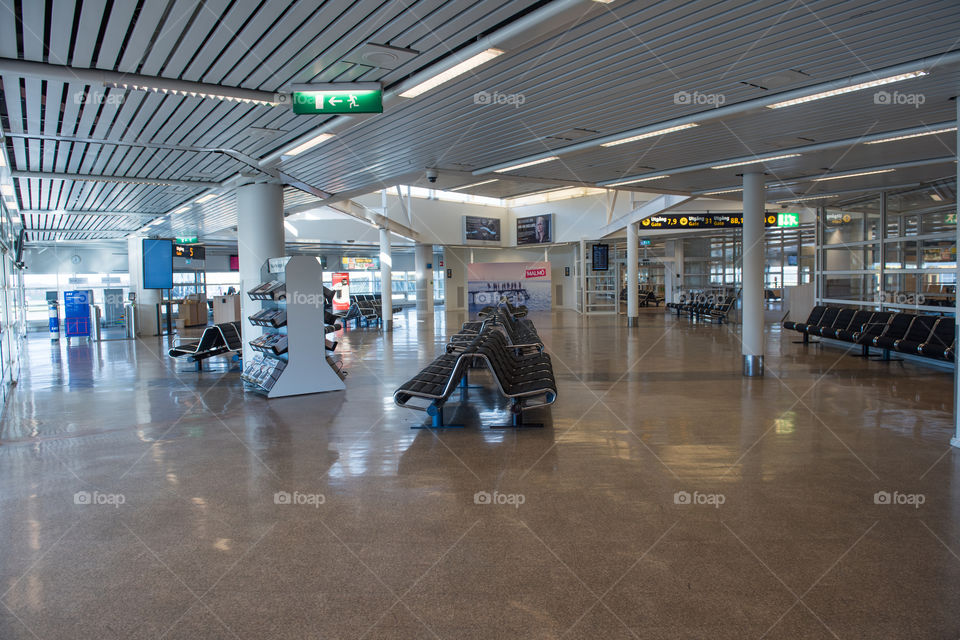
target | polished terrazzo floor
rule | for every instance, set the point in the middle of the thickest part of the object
(665, 497)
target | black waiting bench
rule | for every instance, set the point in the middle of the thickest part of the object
(215, 340)
(705, 308)
(510, 350)
(924, 335)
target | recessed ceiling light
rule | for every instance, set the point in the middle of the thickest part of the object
(617, 184)
(936, 197)
(206, 198)
(470, 186)
(842, 90)
(651, 134)
(527, 164)
(3, 160)
(913, 135)
(716, 193)
(7, 189)
(309, 144)
(804, 199)
(755, 160)
(853, 175)
(452, 72)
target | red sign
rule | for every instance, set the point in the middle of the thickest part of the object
(341, 292)
(539, 272)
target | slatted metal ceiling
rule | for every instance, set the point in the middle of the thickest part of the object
(613, 71)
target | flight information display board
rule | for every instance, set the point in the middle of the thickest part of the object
(190, 251)
(601, 257)
(701, 221)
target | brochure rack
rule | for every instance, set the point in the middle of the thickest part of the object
(293, 358)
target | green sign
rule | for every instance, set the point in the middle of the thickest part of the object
(188, 240)
(950, 218)
(788, 219)
(356, 97)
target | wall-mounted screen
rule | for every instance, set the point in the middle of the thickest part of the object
(535, 229)
(190, 251)
(359, 263)
(157, 264)
(480, 229)
(234, 263)
(601, 257)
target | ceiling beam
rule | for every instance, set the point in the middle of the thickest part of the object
(70, 212)
(137, 82)
(84, 177)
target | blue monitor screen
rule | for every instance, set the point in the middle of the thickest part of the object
(157, 264)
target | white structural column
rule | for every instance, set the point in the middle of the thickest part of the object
(259, 237)
(423, 264)
(955, 441)
(386, 281)
(753, 255)
(633, 276)
(147, 299)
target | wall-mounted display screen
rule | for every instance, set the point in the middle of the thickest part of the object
(234, 263)
(359, 263)
(157, 264)
(480, 229)
(601, 257)
(535, 229)
(190, 251)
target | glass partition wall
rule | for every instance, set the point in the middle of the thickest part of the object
(894, 250)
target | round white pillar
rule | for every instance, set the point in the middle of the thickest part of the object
(386, 281)
(754, 214)
(633, 273)
(423, 264)
(259, 237)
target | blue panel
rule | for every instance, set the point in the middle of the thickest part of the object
(157, 264)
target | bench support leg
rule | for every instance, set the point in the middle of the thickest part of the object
(886, 357)
(435, 411)
(806, 340)
(516, 420)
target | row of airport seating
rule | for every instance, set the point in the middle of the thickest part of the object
(215, 340)
(930, 336)
(705, 307)
(645, 298)
(507, 346)
(366, 307)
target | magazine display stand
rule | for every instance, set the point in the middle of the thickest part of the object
(292, 358)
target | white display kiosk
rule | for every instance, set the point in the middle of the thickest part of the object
(291, 354)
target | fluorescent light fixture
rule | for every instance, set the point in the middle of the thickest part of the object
(452, 72)
(936, 197)
(206, 198)
(470, 186)
(914, 135)
(755, 160)
(527, 164)
(853, 175)
(7, 189)
(3, 160)
(309, 144)
(658, 132)
(183, 209)
(804, 199)
(617, 184)
(716, 193)
(853, 87)
(199, 94)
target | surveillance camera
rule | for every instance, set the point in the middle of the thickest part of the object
(432, 175)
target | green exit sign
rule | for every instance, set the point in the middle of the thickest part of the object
(338, 98)
(788, 219)
(188, 240)
(950, 218)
